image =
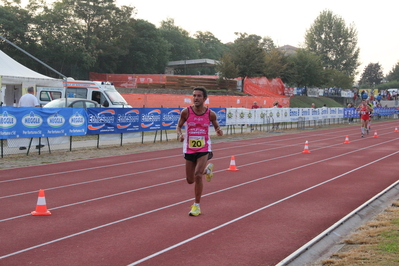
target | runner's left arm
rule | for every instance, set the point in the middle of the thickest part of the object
(215, 123)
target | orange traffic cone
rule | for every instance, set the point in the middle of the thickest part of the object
(396, 129)
(306, 150)
(375, 134)
(41, 208)
(232, 166)
(346, 140)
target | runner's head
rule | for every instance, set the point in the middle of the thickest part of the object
(204, 92)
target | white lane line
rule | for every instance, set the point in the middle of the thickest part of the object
(169, 182)
(208, 231)
(150, 159)
(251, 213)
(147, 171)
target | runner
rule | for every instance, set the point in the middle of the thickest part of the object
(364, 111)
(371, 113)
(197, 144)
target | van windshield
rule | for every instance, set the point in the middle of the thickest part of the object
(115, 97)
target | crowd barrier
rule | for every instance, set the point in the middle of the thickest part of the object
(31, 126)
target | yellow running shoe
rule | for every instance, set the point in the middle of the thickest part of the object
(209, 169)
(195, 211)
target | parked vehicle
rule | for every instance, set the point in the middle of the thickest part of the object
(71, 102)
(102, 92)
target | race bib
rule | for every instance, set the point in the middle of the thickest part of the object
(196, 142)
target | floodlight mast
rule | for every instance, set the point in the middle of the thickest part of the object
(65, 79)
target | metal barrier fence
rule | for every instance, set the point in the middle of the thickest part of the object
(63, 144)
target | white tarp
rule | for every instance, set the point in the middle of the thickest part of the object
(13, 73)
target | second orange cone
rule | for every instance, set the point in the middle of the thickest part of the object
(306, 149)
(41, 207)
(346, 140)
(232, 166)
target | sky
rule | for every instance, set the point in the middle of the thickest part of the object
(285, 22)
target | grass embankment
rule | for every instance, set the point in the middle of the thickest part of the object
(377, 241)
(306, 102)
(374, 243)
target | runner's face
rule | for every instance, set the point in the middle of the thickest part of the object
(198, 98)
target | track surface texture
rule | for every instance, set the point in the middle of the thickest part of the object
(133, 209)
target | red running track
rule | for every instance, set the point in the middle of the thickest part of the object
(133, 209)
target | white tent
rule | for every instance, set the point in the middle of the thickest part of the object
(13, 73)
(15, 78)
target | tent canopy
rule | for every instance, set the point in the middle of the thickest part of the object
(13, 73)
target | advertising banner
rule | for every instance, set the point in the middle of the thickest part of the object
(32, 122)
(113, 120)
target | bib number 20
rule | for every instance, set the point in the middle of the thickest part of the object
(197, 142)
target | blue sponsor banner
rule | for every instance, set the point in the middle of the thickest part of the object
(385, 111)
(113, 120)
(151, 119)
(220, 116)
(32, 122)
(170, 117)
(350, 112)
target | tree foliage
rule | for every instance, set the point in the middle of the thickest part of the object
(147, 53)
(306, 69)
(276, 64)
(79, 36)
(372, 74)
(226, 67)
(334, 42)
(393, 75)
(182, 46)
(209, 46)
(248, 55)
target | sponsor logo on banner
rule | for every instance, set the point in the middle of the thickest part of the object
(100, 120)
(151, 119)
(56, 120)
(77, 120)
(32, 120)
(128, 119)
(7, 120)
(170, 117)
(220, 116)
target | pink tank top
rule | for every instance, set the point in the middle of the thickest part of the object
(197, 132)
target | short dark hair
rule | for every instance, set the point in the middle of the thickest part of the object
(30, 89)
(204, 92)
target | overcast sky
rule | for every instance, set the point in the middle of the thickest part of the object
(285, 22)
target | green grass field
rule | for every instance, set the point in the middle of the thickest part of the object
(306, 102)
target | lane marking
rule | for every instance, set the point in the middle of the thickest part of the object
(251, 213)
(210, 230)
(169, 182)
(160, 158)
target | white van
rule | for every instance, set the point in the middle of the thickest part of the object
(102, 92)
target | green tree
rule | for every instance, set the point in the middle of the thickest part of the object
(182, 46)
(148, 51)
(209, 46)
(267, 44)
(305, 69)
(372, 74)
(226, 67)
(394, 73)
(276, 64)
(334, 42)
(338, 79)
(15, 26)
(78, 36)
(248, 55)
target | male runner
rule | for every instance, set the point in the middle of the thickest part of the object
(197, 143)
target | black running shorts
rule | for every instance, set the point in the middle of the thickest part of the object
(194, 156)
